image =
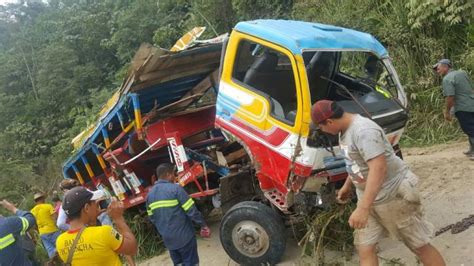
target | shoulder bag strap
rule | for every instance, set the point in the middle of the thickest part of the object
(73, 247)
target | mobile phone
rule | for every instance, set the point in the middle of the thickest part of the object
(103, 204)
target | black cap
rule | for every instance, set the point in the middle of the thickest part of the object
(76, 198)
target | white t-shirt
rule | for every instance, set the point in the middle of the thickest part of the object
(365, 140)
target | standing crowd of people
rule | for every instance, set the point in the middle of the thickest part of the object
(80, 232)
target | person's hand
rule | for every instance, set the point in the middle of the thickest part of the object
(448, 117)
(343, 195)
(8, 205)
(115, 209)
(359, 218)
(205, 232)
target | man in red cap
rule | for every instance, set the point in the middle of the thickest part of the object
(388, 201)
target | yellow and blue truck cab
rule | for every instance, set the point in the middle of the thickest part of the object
(233, 115)
(274, 70)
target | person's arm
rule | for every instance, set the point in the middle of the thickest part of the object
(24, 220)
(371, 145)
(191, 211)
(375, 179)
(62, 218)
(189, 208)
(343, 195)
(129, 244)
(449, 90)
(52, 212)
(449, 103)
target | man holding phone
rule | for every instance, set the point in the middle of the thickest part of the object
(84, 244)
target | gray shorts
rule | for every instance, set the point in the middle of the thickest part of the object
(400, 218)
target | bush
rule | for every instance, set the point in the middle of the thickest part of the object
(149, 242)
(328, 229)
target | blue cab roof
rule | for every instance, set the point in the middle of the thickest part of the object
(298, 36)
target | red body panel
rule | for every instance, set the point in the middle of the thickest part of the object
(272, 167)
(187, 125)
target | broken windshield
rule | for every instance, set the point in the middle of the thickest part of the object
(367, 68)
(344, 75)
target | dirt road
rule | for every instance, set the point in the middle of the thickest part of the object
(447, 187)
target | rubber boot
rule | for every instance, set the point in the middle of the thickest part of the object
(470, 152)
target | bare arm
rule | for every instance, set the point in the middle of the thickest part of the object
(343, 195)
(129, 245)
(375, 179)
(54, 216)
(449, 103)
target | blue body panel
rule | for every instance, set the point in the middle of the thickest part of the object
(298, 36)
(161, 94)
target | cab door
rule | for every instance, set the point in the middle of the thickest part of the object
(260, 102)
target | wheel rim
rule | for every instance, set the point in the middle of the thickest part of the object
(250, 239)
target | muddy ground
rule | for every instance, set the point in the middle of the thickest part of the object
(447, 187)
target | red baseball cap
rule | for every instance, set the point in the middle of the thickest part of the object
(321, 111)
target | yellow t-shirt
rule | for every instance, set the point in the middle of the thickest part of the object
(96, 246)
(45, 222)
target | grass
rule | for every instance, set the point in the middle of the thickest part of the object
(426, 125)
(328, 229)
(149, 242)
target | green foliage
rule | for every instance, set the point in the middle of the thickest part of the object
(426, 13)
(328, 229)
(270, 9)
(149, 242)
(62, 59)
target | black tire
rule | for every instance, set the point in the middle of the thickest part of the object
(226, 206)
(253, 234)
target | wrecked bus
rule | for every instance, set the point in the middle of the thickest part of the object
(233, 115)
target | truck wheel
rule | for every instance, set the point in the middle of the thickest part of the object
(253, 234)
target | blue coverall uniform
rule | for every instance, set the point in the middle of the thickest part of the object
(11, 229)
(172, 211)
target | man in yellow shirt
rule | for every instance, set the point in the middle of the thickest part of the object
(45, 219)
(96, 245)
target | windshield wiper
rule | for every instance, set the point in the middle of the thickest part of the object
(350, 94)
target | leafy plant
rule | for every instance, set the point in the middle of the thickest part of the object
(149, 242)
(328, 229)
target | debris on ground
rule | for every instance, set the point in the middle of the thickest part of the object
(458, 227)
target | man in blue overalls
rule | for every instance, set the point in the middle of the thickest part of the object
(11, 228)
(172, 212)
